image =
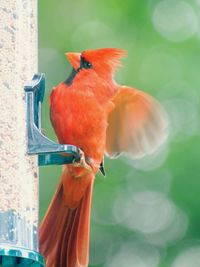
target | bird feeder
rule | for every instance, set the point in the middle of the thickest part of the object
(22, 145)
(18, 171)
(19, 214)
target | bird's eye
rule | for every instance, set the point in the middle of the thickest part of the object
(85, 64)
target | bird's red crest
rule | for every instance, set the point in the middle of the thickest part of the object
(109, 56)
(104, 61)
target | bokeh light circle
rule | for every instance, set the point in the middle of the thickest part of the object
(86, 33)
(175, 230)
(152, 161)
(134, 254)
(148, 212)
(188, 258)
(152, 214)
(175, 20)
(184, 118)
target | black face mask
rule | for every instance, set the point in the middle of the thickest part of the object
(84, 64)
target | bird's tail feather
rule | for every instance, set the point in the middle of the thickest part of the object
(64, 232)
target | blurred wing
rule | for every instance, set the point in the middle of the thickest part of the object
(137, 125)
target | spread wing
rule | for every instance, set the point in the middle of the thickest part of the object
(137, 125)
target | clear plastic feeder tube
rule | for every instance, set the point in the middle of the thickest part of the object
(18, 171)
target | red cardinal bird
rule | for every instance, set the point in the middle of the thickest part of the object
(91, 111)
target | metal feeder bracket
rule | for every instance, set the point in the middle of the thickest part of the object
(48, 151)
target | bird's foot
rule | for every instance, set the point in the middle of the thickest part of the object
(83, 162)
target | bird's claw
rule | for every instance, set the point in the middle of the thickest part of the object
(82, 161)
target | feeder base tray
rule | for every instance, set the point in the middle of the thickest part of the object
(11, 256)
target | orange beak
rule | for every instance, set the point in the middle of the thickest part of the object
(74, 59)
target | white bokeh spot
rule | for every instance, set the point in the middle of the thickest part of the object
(175, 20)
(135, 255)
(188, 258)
(152, 214)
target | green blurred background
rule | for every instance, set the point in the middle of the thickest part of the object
(145, 213)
